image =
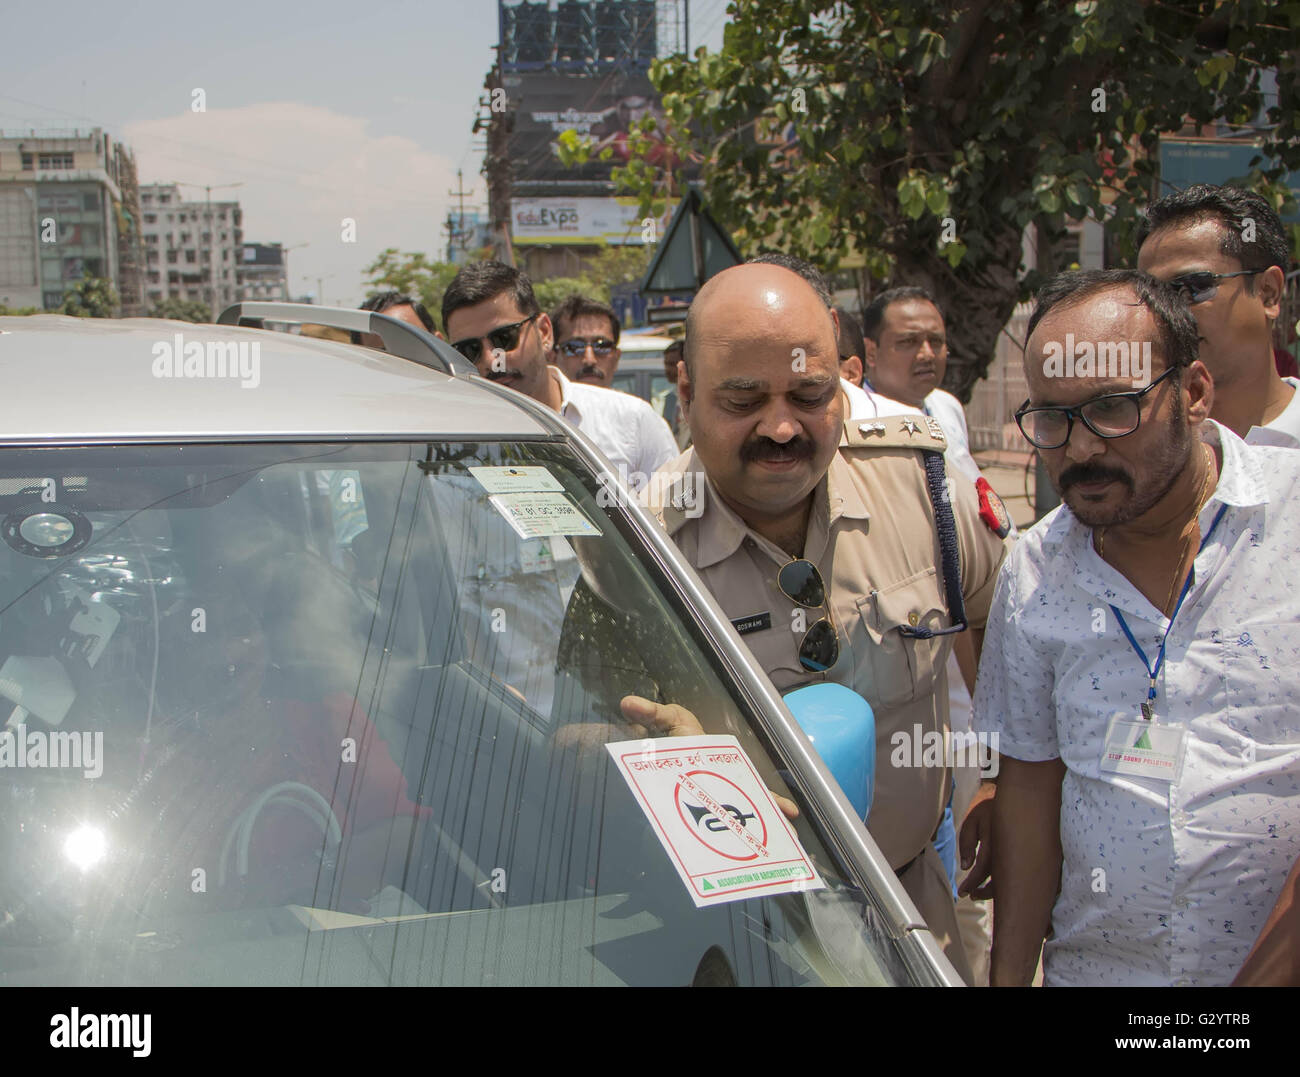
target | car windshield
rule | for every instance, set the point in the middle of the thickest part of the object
(337, 714)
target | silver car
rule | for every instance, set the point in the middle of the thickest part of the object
(314, 661)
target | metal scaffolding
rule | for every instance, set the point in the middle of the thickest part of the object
(589, 36)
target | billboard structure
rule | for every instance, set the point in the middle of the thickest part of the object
(600, 108)
(578, 66)
(579, 221)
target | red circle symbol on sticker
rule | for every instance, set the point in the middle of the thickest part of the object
(721, 835)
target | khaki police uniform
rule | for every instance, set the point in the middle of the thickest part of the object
(871, 533)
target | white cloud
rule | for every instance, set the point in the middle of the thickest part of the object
(303, 170)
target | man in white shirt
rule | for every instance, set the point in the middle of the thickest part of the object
(1225, 250)
(492, 316)
(493, 319)
(1141, 665)
(906, 343)
(863, 403)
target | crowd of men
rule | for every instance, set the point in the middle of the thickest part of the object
(1134, 656)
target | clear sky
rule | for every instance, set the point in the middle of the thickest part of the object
(321, 110)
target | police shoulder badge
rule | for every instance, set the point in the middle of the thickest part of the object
(992, 511)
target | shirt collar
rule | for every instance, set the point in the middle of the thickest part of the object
(568, 406)
(1241, 482)
(721, 531)
(1285, 429)
(844, 494)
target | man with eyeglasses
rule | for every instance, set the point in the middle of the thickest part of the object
(586, 340)
(1141, 668)
(493, 319)
(1225, 250)
(820, 540)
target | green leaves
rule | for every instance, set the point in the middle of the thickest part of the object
(953, 253)
(90, 297)
(919, 192)
(924, 111)
(572, 149)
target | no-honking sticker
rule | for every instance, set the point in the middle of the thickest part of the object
(722, 831)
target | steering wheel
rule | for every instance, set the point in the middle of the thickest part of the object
(295, 795)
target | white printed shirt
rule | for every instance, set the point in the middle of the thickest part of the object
(1163, 883)
(631, 434)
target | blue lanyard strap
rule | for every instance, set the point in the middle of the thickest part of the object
(1153, 672)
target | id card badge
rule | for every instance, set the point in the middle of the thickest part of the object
(1143, 749)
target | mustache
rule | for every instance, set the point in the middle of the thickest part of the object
(799, 448)
(1092, 473)
(500, 375)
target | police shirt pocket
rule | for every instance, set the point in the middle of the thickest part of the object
(1260, 663)
(903, 668)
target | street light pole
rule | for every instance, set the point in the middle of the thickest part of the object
(284, 255)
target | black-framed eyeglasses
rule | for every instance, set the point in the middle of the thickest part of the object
(1114, 415)
(1204, 285)
(802, 584)
(578, 346)
(504, 337)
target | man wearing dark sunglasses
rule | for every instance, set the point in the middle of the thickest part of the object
(586, 340)
(1226, 252)
(820, 539)
(493, 319)
(1141, 668)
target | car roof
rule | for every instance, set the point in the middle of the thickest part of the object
(91, 379)
(630, 344)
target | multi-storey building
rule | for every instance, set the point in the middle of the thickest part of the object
(64, 216)
(191, 248)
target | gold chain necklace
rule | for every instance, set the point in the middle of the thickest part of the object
(1200, 504)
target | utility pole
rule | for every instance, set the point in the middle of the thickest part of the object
(496, 165)
(284, 260)
(456, 234)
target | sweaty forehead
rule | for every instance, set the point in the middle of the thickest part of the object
(755, 316)
(1102, 320)
(912, 314)
(1186, 246)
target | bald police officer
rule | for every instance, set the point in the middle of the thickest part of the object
(787, 500)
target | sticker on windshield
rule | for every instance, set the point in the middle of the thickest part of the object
(516, 480)
(717, 822)
(540, 515)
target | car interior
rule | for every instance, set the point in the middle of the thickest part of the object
(314, 765)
